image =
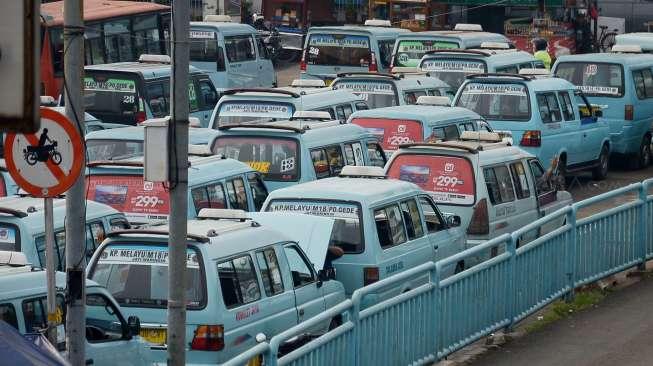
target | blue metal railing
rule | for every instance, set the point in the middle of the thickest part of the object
(444, 315)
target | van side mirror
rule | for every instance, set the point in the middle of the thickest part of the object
(134, 324)
(453, 220)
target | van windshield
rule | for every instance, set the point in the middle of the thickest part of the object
(275, 158)
(140, 201)
(594, 79)
(237, 112)
(338, 50)
(109, 149)
(453, 71)
(111, 97)
(392, 132)
(377, 93)
(505, 102)
(137, 275)
(448, 179)
(410, 52)
(203, 46)
(346, 232)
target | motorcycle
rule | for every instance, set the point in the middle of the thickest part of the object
(34, 154)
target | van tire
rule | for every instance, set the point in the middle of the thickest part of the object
(600, 172)
(644, 153)
(459, 267)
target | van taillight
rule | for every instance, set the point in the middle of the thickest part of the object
(480, 223)
(629, 114)
(208, 338)
(370, 275)
(302, 63)
(372, 67)
(531, 138)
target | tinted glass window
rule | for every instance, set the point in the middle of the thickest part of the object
(299, 267)
(259, 192)
(327, 162)
(385, 52)
(8, 315)
(361, 106)
(35, 315)
(542, 183)
(434, 222)
(643, 80)
(338, 50)
(239, 48)
(275, 158)
(354, 154)
(377, 157)
(412, 219)
(238, 281)
(496, 101)
(208, 95)
(102, 321)
(270, 273)
(566, 106)
(211, 196)
(389, 226)
(520, 181)
(499, 184)
(594, 79)
(237, 194)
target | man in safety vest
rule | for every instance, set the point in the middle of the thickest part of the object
(540, 53)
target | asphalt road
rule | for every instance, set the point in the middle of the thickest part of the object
(617, 332)
(286, 73)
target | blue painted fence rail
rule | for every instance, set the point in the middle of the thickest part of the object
(444, 315)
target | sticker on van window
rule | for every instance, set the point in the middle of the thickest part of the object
(139, 200)
(606, 90)
(424, 46)
(326, 209)
(155, 256)
(591, 70)
(202, 35)
(371, 87)
(351, 41)
(115, 85)
(502, 89)
(259, 166)
(7, 238)
(392, 132)
(239, 109)
(449, 180)
(471, 67)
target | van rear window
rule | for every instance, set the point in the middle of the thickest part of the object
(242, 112)
(449, 180)
(140, 201)
(275, 158)
(8, 238)
(109, 149)
(376, 93)
(454, 70)
(392, 132)
(346, 232)
(410, 52)
(137, 275)
(497, 101)
(338, 50)
(594, 79)
(112, 95)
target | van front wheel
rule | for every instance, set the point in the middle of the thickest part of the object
(600, 172)
(644, 154)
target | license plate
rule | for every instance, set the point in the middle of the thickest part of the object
(154, 336)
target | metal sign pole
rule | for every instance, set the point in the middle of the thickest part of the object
(178, 178)
(53, 318)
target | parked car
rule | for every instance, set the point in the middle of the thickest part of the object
(543, 114)
(383, 226)
(495, 188)
(623, 82)
(243, 278)
(111, 337)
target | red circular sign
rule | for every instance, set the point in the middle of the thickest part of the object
(46, 163)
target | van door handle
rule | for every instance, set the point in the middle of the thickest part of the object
(89, 361)
(301, 312)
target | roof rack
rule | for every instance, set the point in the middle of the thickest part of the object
(129, 163)
(363, 73)
(458, 50)
(359, 171)
(115, 233)
(12, 212)
(494, 74)
(274, 127)
(261, 90)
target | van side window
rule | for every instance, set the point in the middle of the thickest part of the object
(527, 65)
(410, 97)
(270, 273)
(330, 110)
(549, 108)
(328, 161)
(239, 48)
(542, 183)
(35, 313)
(445, 133)
(512, 69)
(343, 111)
(389, 226)
(220, 64)
(354, 154)
(157, 98)
(385, 52)
(59, 247)
(361, 106)
(211, 196)
(208, 95)
(643, 80)
(238, 281)
(102, 314)
(94, 236)
(566, 106)
(301, 271)
(259, 192)
(519, 180)
(433, 92)
(432, 217)
(8, 315)
(499, 184)
(413, 221)
(376, 154)
(262, 50)
(237, 194)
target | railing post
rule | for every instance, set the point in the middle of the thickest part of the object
(511, 247)
(642, 226)
(571, 245)
(270, 357)
(436, 321)
(354, 316)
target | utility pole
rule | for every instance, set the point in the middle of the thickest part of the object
(75, 197)
(178, 157)
(50, 273)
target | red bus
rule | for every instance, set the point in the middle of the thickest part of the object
(115, 31)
